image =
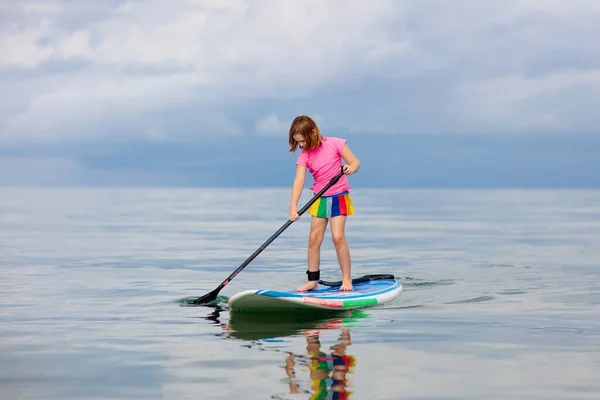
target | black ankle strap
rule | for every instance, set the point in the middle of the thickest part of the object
(313, 276)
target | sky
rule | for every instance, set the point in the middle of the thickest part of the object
(428, 93)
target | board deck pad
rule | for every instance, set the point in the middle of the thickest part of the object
(364, 294)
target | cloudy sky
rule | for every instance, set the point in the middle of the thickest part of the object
(138, 93)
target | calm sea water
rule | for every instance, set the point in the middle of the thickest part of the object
(501, 299)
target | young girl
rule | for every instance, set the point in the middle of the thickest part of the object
(322, 156)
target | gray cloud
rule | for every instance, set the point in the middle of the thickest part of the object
(159, 71)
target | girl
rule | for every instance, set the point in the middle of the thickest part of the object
(322, 156)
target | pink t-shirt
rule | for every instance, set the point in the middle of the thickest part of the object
(323, 163)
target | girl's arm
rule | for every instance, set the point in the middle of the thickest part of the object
(351, 160)
(297, 191)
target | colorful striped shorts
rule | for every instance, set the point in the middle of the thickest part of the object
(332, 206)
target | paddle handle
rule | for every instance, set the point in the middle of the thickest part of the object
(332, 182)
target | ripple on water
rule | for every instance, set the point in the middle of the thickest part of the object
(478, 299)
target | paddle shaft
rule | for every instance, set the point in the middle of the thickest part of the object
(213, 294)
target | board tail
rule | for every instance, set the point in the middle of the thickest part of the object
(364, 278)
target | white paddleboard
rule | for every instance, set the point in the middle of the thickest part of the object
(364, 294)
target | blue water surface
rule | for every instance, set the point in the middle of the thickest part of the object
(501, 296)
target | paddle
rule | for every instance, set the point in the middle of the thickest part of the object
(207, 298)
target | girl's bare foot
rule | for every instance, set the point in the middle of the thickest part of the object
(346, 286)
(310, 285)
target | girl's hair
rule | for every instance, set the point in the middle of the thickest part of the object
(305, 126)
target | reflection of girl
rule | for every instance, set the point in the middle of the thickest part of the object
(341, 363)
(327, 372)
(319, 366)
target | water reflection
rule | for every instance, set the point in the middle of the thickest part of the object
(320, 371)
(257, 326)
(327, 370)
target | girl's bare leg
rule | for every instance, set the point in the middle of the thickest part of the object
(338, 235)
(315, 238)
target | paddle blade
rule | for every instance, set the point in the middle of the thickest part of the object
(207, 298)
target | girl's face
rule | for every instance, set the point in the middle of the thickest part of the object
(300, 140)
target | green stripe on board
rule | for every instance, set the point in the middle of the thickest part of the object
(360, 302)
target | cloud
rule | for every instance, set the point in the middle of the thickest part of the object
(274, 125)
(76, 71)
(271, 125)
(145, 57)
(559, 101)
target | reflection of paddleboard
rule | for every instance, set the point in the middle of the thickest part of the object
(258, 326)
(368, 291)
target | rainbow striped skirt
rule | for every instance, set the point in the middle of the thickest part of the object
(332, 206)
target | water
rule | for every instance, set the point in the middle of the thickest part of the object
(501, 296)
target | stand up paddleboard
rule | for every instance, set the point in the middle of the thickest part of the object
(368, 291)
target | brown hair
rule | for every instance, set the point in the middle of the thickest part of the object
(305, 126)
